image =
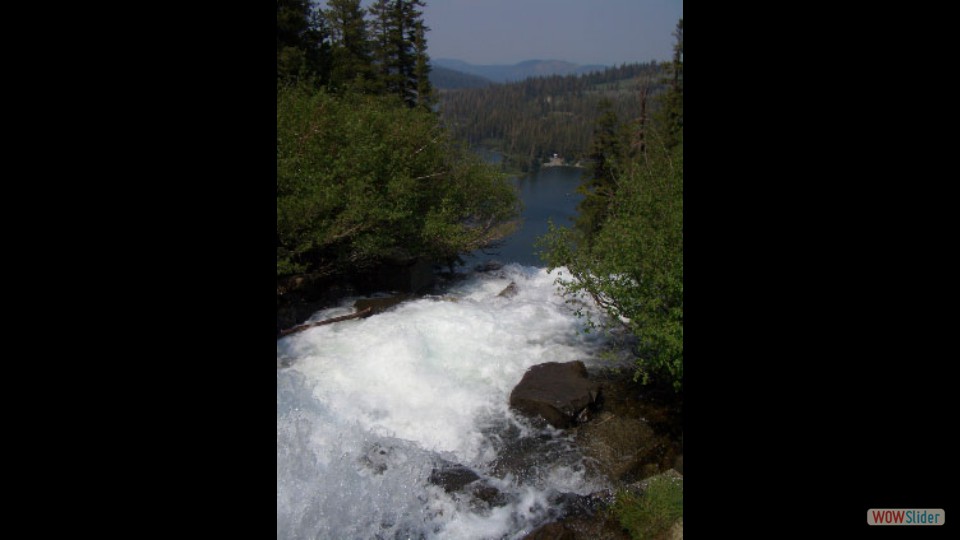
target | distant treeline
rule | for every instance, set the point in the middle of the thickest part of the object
(530, 120)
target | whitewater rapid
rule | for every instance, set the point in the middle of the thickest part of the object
(367, 409)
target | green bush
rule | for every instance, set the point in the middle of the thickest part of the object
(364, 179)
(652, 514)
(632, 264)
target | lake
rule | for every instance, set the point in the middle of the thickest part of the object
(550, 194)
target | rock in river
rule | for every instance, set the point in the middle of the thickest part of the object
(559, 392)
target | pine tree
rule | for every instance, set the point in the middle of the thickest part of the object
(421, 72)
(380, 39)
(399, 44)
(351, 56)
(606, 155)
(670, 119)
(302, 48)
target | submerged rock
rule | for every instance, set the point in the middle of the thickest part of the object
(452, 476)
(456, 478)
(510, 291)
(558, 392)
(575, 505)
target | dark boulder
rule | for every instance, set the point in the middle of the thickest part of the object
(452, 476)
(552, 531)
(558, 392)
(456, 478)
(510, 291)
(574, 505)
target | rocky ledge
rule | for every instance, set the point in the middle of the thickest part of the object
(628, 433)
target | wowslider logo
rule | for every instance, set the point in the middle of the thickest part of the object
(903, 516)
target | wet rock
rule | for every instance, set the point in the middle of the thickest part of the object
(551, 531)
(558, 392)
(485, 495)
(379, 304)
(602, 526)
(510, 291)
(676, 532)
(622, 448)
(573, 504)
(456, 478)
(452, 476)
(523, 455)
(638, 488)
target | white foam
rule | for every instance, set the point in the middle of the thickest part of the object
(368, 405)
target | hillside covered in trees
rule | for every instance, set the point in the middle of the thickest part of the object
(505, 73)
(530, 120)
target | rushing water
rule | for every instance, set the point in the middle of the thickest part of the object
(368, 409)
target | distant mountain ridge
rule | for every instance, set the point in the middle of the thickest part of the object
(518, 71)
(450, 79)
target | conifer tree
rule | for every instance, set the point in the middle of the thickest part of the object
(606, 154)
(302, 47)
(351, 55)
(399, 44)
(421, 72)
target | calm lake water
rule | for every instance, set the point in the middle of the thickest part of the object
(550, 194)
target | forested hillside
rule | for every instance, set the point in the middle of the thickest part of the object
(533, 119)
(519, 71)
(450, 79)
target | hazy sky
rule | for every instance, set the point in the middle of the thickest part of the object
(581, 31)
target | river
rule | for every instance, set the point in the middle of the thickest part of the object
(368, 410)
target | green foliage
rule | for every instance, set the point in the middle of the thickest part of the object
(632, 267)
(669, 117)
(352, 61)
(424, 96)
(607, 154)
(626, 252)
(362, 179)
(302, 49)
(652, 514)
